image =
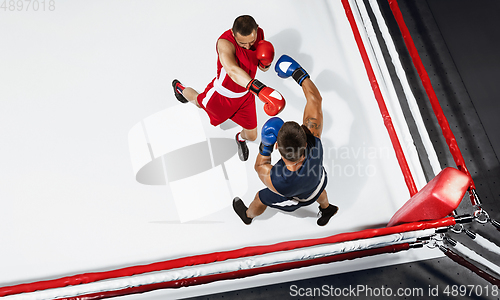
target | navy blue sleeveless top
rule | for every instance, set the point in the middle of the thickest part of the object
(307, 180)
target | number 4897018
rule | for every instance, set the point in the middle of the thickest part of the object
(471, 290)
(28, 5)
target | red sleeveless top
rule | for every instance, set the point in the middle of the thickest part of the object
(246, 60)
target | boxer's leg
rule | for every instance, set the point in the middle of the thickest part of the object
(323, 200)
(241, 210)
(256, 208)
(191, 95)
(249, 134)
(241, 138)
(326, 209)
(246, 117)
(185, 94)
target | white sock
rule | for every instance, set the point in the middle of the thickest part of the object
(238, 137)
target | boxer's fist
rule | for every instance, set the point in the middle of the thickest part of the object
(269, 135)
(274, 102)
(287, 66)
(265, 53)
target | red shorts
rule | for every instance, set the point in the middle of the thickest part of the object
(220, 108)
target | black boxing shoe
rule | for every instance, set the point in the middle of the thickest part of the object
(242, 148)
(178, 91)
(241, 210)
(326, 214)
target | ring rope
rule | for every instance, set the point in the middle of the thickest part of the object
(410, 183)
(410, 98)
(438, 111)
(474, 256)
(244, 273)
(492, 247)
(462, 261)
(221, 256)
(228, 266)
(483, 242)
(390, 96)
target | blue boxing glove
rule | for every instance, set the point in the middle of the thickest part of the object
(269, 135)
(287, 66)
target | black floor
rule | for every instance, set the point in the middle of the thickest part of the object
(459, 44)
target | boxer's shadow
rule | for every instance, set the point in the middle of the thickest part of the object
(303, 212)
(299, 213)
(346, 165)
(289, 42)
(268, 214)
(326, 83)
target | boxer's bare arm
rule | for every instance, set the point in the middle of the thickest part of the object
(263, 168)
(313, 112)
(227, 57)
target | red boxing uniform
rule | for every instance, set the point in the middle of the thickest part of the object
(225, 99)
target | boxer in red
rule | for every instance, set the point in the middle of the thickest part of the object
(241, 50)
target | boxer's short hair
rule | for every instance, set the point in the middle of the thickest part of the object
(244, 25)
(292, 141)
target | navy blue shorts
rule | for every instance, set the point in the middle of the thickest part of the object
(274, 200)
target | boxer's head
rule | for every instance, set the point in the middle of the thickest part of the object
(292, 141)
(245, 31)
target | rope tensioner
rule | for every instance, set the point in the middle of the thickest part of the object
(441, 239)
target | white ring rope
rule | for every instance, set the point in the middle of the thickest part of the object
(492, 247)
(410, 98)
(389, 93)
(476, 257)
(226, 266)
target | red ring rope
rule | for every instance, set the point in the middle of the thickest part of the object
(380, 101)
(220, 256)
(242, 273)
(462, 261)
(426, 82)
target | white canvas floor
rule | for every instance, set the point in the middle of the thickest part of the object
(101, 167)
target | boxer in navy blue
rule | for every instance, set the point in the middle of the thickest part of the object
(298, 178)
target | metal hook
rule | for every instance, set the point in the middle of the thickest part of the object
(435, 241)
(439, 237)
(481, 212)
(460, 226)
(431, 244)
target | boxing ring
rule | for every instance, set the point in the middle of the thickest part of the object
(116, 189)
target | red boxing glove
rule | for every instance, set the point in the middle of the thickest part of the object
(265, 53)
(274, 101)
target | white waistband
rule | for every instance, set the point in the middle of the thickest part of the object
(316, 191)
(295, 200)
(224, 91)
